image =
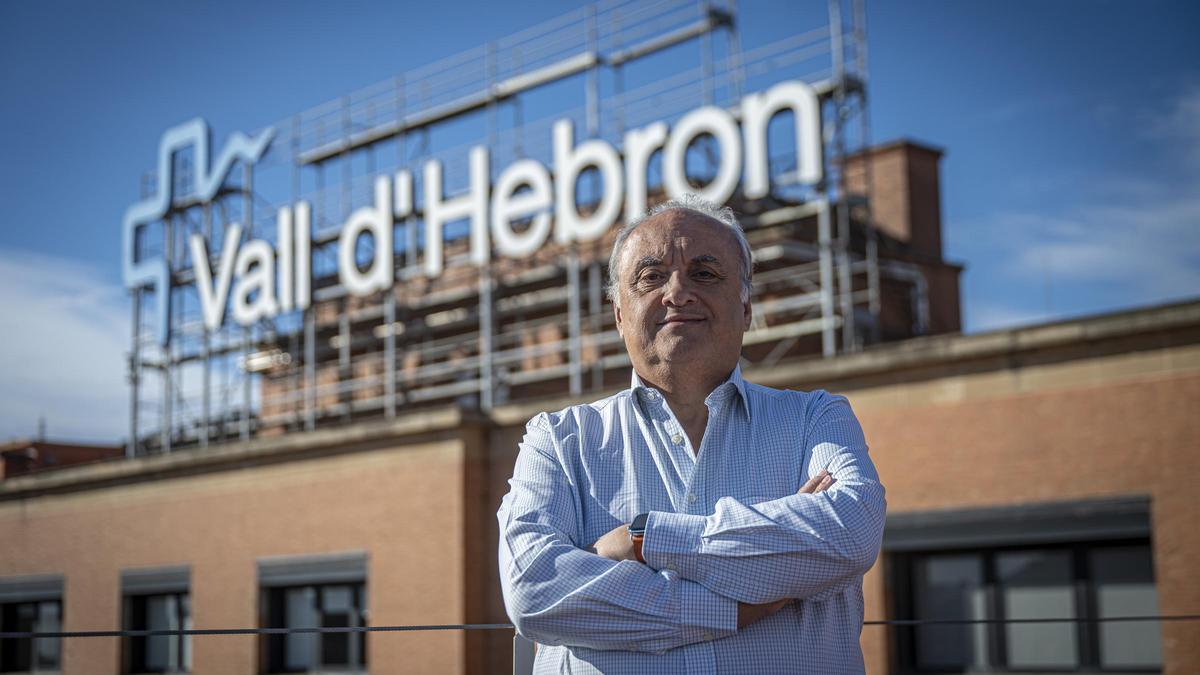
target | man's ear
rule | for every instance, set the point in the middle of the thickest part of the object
(747, 315)
(617, 315)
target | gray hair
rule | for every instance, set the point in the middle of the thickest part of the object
(694, 204)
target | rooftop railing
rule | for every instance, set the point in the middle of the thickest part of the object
(524, 650)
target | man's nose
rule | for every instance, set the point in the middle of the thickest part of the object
(677, 291)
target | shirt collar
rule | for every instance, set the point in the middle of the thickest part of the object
(735, 379)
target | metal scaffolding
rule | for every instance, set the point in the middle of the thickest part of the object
(515, 329)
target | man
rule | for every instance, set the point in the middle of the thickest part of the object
(754, 511)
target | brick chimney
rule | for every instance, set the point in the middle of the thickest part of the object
(906, 200)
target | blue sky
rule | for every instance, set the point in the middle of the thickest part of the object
(1071, 131)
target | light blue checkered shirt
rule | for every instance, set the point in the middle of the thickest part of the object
(726, 525)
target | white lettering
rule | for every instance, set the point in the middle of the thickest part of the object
(527, 190)
(723, 128)
(213, 299)
(303, 255)
(757, 111)
(283, 227)
(508, 206)
(471, 205)
(568, 164)
(378, 222)
(255, 272)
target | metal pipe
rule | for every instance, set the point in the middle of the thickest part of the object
(593, 79)
(168, 371)
(706, 60)
(738, 75)
(310, 368)
(135, 376)
(575, 354)
(248, 216)
(671, 39)
(845, 278)
(205, 347)
(486, 372)
(389, 355)
(596, 320)
(344, 344)
(828, 345)
(835, 40)
(874, 302)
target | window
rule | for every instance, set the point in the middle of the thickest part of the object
(31, 605)
(1073, 560)
(157, 599)
(1075, 581)
(34, 655)
(315, 592)
(318, 606)
(160, 653)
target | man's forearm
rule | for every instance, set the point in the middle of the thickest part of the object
(569, 596)
(793, 547)
(619, 544)
(797, 546)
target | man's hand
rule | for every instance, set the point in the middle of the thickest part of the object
(748, 614)
(818, 483)
(615, 545)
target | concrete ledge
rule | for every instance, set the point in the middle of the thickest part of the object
(218, 457)
(948, 350)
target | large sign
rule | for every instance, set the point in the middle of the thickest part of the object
(263, 279)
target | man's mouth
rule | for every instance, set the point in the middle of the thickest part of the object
(680, 320)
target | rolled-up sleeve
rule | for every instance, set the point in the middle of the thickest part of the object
(799, 546)
(556, 593)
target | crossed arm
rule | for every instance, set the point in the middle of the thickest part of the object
(705, 575)
(616, 545)
(556, 592)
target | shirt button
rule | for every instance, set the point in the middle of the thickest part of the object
(691, 499)
(708, 636)
(677, 439)
(671, 567)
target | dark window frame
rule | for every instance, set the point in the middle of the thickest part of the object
(7, 611)
(274, 615)
(135, 618)
(900, 568)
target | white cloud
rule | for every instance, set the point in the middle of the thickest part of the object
(1125, 247)
(66, 333)
(1151, 247)
(1179, 124)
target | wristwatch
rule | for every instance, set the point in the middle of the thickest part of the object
(637, 534)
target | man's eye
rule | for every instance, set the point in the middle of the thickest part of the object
(651, 276)
(704, 274)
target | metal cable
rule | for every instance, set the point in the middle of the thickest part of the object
(508, 626)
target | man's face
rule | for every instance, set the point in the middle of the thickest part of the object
(679, 294)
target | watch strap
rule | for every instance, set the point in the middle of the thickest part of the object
(637, 535)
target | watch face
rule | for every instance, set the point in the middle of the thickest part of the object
(638, 526)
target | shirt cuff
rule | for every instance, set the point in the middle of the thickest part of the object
(672, 541)
(704, 615)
